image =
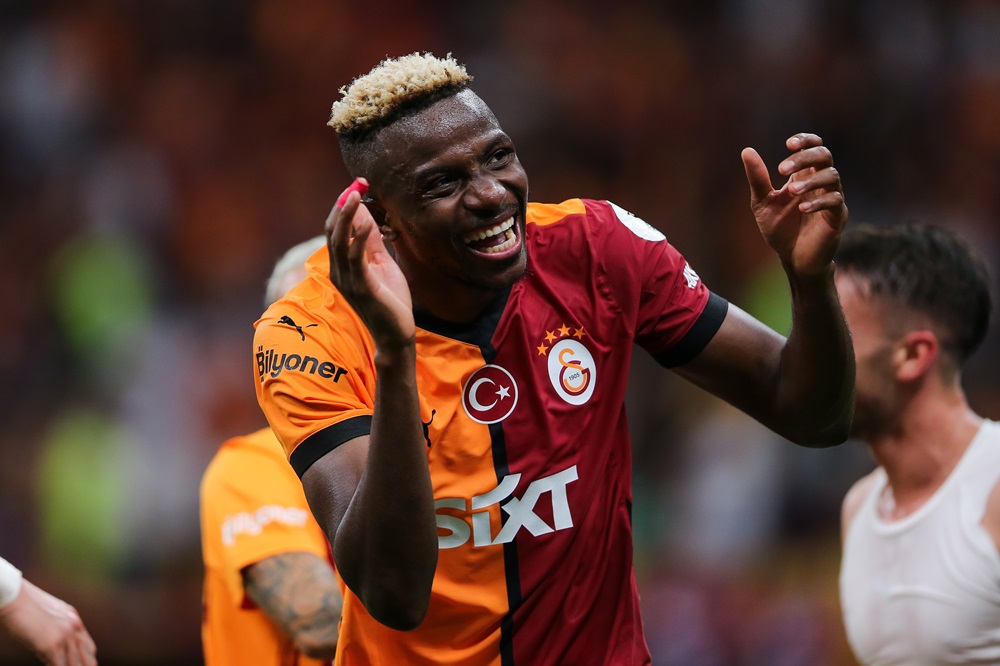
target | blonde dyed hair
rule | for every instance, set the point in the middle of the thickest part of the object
(374, 99)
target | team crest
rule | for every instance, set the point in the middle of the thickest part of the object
(489, 395)
(570, 364)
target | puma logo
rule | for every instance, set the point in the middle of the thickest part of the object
(427, 428)
(288, 321)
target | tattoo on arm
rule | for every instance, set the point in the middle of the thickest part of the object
(299, 592)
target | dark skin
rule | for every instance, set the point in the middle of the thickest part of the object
(450, 171)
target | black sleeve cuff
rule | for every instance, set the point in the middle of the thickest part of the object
(698, 337)
(326, 440)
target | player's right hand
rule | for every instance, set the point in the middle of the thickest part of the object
(366, 274)
(50, 627)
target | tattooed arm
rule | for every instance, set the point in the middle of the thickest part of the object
(299, 592)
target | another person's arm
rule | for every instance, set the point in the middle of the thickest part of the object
(48, 626)
(373, 494)
(299, 592)
(801, 387)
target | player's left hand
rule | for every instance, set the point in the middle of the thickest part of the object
(803, 220)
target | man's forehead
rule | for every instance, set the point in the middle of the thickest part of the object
(432, 131)
(441, 118)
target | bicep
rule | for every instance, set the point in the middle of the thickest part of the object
(331, 481)
(739, 364)
(300, 593)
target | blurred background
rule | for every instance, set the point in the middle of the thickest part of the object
(156, 157)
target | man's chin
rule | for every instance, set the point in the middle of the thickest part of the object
(504, 275)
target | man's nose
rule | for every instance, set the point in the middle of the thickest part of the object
(485, 191)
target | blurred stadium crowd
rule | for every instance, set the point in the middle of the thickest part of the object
(156, 157)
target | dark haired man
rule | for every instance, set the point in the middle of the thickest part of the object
(466, 448)
(920, 577)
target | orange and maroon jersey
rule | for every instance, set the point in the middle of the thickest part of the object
(527, 440)
(252, 508)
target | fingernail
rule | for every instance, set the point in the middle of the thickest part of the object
(356, 186)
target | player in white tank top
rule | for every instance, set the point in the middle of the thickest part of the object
(920, 576)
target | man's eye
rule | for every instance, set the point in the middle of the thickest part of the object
(439, 186)
(501, 157)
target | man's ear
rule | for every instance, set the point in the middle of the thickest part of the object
(916, 354)
(388, 233)
(381, 219)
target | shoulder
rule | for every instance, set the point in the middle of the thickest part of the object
(546, 214)
(609, 235)
(991, 514)
(855, 498)
(242, 460)
(599, 215)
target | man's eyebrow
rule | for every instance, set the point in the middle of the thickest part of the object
(426, 172)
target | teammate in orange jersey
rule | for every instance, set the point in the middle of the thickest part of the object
(920, 574)
(455, 409)
(48, 626)
(271, 596)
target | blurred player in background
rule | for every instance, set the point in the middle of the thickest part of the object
(48, 626)
(456, 413)
(271, 596)
(920, 576)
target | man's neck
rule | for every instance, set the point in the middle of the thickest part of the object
(923, 449)
(460, 307)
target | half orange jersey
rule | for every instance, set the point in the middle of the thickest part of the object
(526, 435)
(252, 508)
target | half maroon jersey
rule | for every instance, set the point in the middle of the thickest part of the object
(527, 440)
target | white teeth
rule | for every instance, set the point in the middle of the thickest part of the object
(483, 234)
(506, 245)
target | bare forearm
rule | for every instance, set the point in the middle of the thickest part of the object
(300, 594)
(815, 384)
(386, 545)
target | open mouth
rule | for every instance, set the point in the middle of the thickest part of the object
(492, 240)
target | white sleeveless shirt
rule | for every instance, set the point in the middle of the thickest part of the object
(926, 589)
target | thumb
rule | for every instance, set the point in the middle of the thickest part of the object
(757, 176)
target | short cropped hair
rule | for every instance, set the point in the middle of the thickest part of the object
(395, 88)
(927, 269)
(291, 261)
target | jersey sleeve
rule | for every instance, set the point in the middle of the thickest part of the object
(257, 510)
(315, 380)
(673, 313)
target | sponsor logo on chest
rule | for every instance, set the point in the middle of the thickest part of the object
(520, 511)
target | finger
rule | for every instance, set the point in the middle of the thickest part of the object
(84, 654)
(360, 185)
(359, 244)
(339, 227)
(829, 201)
(803, 140)
(74, 656)
(89, 647)
(817, 157)
(58, 655)
(826, 179)
(757, 176)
